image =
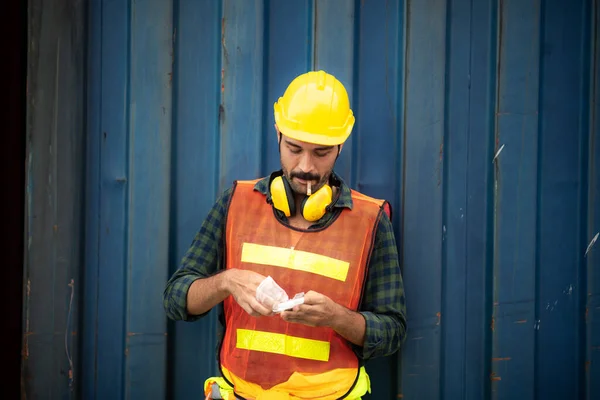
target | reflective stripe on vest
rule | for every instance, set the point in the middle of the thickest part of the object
(260, 354)
(296, 260)
(278, 343)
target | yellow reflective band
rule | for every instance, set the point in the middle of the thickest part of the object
(278, 343)
(296, 260)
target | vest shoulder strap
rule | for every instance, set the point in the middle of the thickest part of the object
(381, 203)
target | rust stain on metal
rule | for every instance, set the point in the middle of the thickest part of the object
(173, 39)
(225, 53)
(25, 352)
(496, 303)
(495, 377)
(55, 227)
(222, 80)
(587, 365)
(587, 311)
(400, 396)
(501, 359)
(439, 317)
(493, 324)
(521, 321)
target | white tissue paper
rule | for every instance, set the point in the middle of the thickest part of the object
(268, 293)
(272, 296)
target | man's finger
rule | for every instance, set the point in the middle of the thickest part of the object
(312, 298)
(247, 308)
(259, 308)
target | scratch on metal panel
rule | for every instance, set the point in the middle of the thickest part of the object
(521, 321)
(498, 153)
(67, 350)
(592, 243)
(569, 290)
(495, 377)
(501, 359)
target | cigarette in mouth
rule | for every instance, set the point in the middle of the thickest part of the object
(308, 190)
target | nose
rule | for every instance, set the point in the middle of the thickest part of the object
(306, 163)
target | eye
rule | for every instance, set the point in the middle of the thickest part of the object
(322, 154)
(296, 151)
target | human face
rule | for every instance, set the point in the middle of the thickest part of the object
(303, 162)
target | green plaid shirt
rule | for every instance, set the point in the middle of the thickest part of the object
(383, 306)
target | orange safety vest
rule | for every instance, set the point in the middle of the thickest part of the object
(267, 357)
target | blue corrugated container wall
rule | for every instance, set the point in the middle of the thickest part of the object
(475, 119)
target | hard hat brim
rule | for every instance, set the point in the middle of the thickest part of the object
(312, 138)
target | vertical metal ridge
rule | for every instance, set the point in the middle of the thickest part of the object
(174, 186)
(538, 209)
(467, 217)
(444, 206)
(88, 360)
(586, 152)
(588, 213)
(265, 133)
(127, 254)
(495, 41)
(397, 216)
(220, 35)
(400, 107)
(312, 35)
(403, 130)
(354, 138)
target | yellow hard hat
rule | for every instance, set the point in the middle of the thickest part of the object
(315, 108)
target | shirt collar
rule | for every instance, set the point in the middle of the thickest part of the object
(345, 195)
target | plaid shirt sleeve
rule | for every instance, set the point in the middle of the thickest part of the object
(202, 259)
(384, 306)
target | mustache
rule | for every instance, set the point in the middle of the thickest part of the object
(305, 176)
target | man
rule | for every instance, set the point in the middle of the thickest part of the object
(305, 229)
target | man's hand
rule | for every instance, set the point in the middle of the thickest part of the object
(320, 310)
(242, 284)
(317, 310)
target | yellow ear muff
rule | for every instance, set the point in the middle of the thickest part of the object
(315, 206)
(282, 196)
